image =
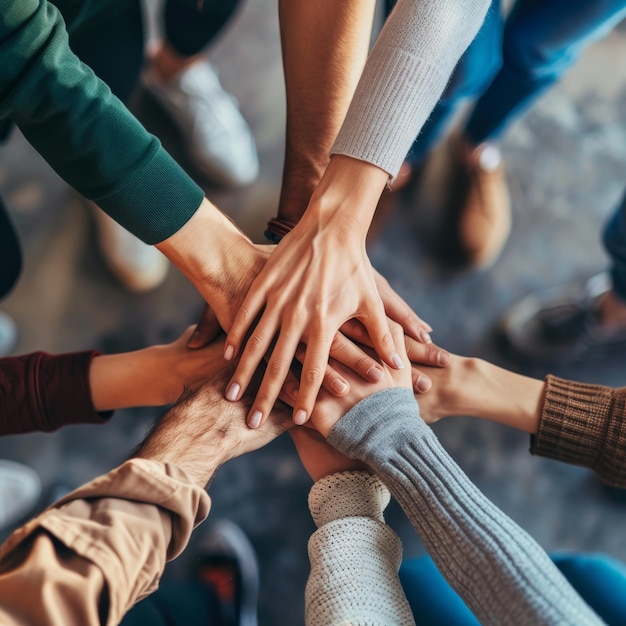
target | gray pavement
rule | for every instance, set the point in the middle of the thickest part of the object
(566, 162)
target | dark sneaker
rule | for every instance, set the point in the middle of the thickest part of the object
(227, 563)
(560, 325)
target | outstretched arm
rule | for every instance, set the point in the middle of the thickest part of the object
(497, 568)
(569, 421)
(104, 546)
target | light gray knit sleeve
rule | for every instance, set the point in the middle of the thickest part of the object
(354, 556)
(502, 574)
(405, 74)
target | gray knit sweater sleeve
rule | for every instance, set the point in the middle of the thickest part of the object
(502, 574)
(404, 76)
(354, 556)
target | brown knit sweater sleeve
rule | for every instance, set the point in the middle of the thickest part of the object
(584, 424)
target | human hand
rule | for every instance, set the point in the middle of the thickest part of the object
(320, 458)
(328, 409)
(204, 430)
(476, 388)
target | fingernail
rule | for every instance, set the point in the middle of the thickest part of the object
(374, 373)
(443, 358)
(429, 327)
(232, 392)
(255, 419)
(423, 384)
(397, 361)
(300, 417)
(229, 352)
(339, 386)
(194, 338)
(425, 337)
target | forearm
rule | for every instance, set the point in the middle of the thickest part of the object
(404, 77)
(101, 548)
(217, 258)
(499, 570)
(84, 132)
(353, 542)
(42, 392)
(324, 49)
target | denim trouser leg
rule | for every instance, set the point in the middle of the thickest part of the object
(542, 39)
(614, 238)
(475, 70)
(598, 578)
(190, 27)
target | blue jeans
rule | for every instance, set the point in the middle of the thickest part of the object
(510, 63)
(614, 238)
(599, 579)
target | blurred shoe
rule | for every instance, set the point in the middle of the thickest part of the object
(227, 563)
(218, 140)
(20, 489)
(138, 266)
(561, 325)
(8, 334)
(484, 210)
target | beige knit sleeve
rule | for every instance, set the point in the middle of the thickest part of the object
(354, 556)
(584, 424)
(404, 76)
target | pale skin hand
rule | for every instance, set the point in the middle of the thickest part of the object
(476, 388)
(329, 410)
(153, 376)
(316, 279)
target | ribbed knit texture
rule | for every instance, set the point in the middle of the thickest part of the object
(584, 424)
(354, 556)
(501, 573)
(82, 130)
(404, 77)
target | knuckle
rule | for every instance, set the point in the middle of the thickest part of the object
(313, 375)
(255, 344)
(277, 368)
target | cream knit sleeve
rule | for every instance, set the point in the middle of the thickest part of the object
(404, 76)
(354, 556)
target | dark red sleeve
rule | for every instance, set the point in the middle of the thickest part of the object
(41, 391)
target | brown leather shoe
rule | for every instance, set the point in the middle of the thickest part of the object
(484, 208)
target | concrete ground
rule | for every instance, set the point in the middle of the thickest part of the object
(565, 160)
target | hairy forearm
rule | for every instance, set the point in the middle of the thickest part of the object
(324, 50)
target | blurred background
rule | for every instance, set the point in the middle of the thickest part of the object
(566, 166)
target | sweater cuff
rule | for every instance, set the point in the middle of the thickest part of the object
(348, 494)
(578, 426)
(61, 382)
(156, 201)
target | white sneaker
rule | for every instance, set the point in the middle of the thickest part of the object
(138, 266)
(219, 141)
(8, 334)
(20, 489)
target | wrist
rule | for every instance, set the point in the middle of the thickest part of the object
(348, 194)
(210, 251)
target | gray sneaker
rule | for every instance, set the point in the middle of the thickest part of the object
(8, 335)
(20, 488)
(218, 139)
(560, 325)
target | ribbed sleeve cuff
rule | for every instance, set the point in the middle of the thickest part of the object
(156, 201)
(348, 494)
(584, 424)
(61, 383)
(379, 127)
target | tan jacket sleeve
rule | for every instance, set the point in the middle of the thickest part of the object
(91, 556)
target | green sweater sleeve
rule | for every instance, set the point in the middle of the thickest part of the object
(84, 132)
